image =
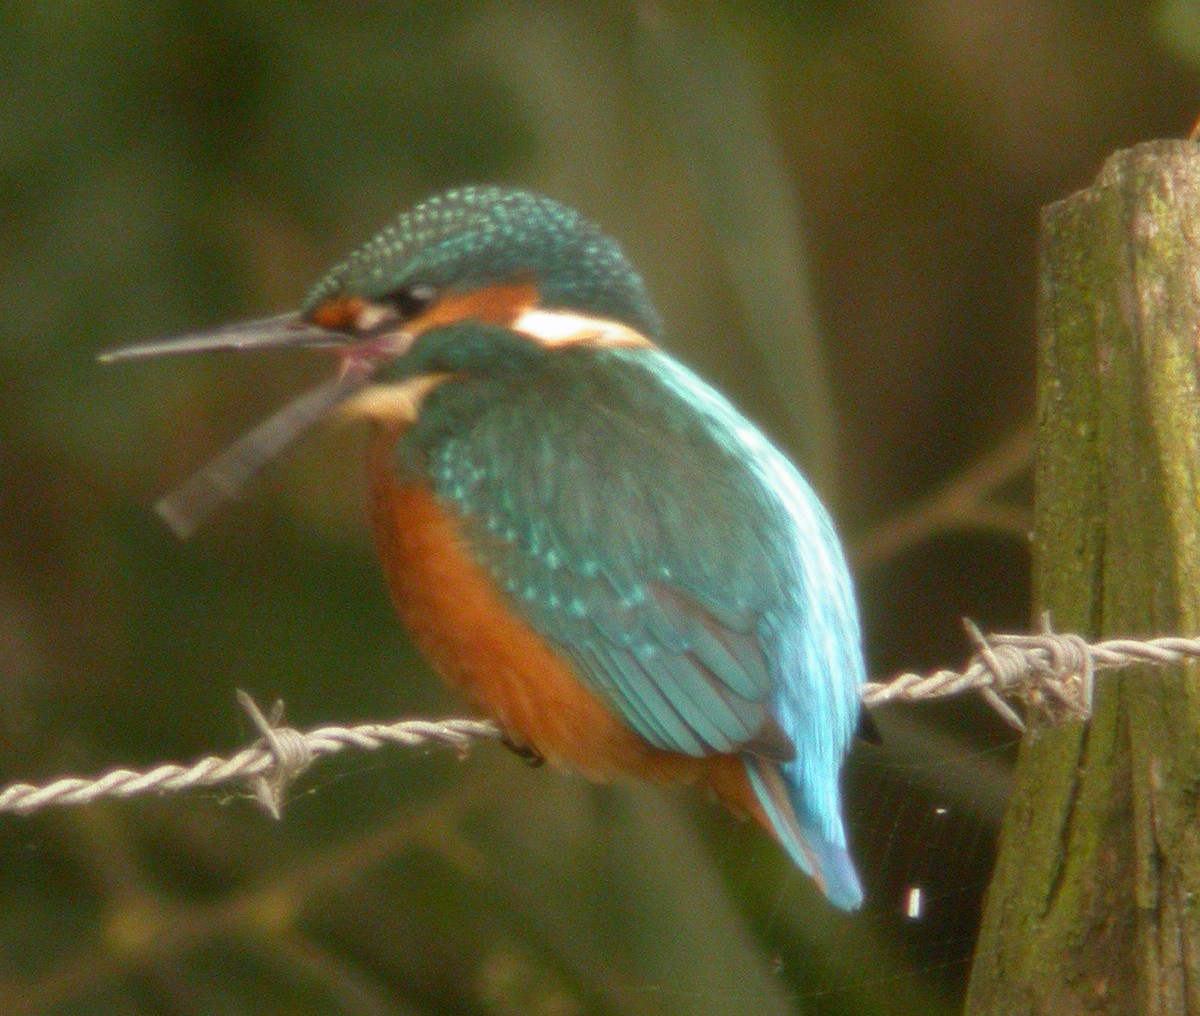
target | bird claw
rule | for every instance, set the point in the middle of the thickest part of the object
(533, 758)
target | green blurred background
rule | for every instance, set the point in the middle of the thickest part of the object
(836, 206)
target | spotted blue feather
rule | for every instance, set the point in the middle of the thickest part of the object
(651, 533)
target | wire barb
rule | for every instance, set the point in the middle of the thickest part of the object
(288, 749)
(1051, 673)
(999, 671)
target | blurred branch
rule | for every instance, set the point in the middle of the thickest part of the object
(965, 502)
(354, 989)
(145, 929)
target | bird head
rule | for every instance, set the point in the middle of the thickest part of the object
(466, 281)
(482, 251)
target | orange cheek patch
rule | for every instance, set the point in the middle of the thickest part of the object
(493, 305)
(340, 313)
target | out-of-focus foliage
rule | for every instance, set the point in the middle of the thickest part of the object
(1179, 24)
(169, 166)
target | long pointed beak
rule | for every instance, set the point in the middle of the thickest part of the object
(228, 475)
(283, 331)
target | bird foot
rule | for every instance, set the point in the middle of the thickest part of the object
(531, 755)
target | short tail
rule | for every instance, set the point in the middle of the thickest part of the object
(825, 860)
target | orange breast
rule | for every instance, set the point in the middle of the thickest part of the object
(461, 622)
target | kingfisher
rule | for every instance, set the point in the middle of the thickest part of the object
(585, 539)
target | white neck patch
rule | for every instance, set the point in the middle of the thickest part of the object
(565, 328)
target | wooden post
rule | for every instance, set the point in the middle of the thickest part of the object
(1095, 902)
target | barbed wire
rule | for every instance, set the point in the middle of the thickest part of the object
(1051, 674)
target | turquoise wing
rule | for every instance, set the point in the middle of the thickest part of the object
(662, 544)
(634, 535)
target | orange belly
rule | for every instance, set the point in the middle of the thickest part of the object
(481, 647)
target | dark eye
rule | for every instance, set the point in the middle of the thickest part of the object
(409, 301)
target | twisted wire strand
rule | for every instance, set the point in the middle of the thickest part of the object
(1050, 673)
